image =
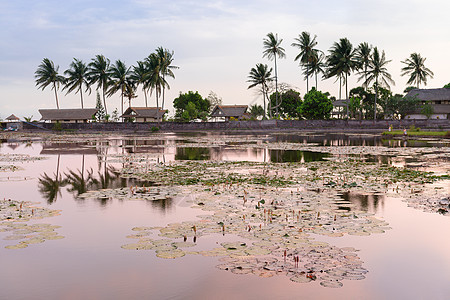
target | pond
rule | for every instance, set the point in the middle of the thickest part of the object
(226, 216)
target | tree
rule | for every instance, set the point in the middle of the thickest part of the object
(290, 101)
(256, 111)
(47, 74)
(377, 72)
(272, 49)
(156, 80)
(140, 75)
(409, 88)
(316, 105)
(100, 115)
(415, 68)
(427, 110)
(260, 75)
(182, 106)
(317, 65)
(98, 72)
(307, 53)
(447, 86)
(398, 106)
(363, 54)
(367, 100)
(214, 100)
(341, 62)
(119, 73)
(77, 76)
(165, 60)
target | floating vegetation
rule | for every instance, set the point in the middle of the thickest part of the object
(133, 193)
(21, 211)
(13, 158)
(9, 168)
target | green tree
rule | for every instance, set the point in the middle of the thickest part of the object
(261, 75)
(100, 115)
(140, 76)
(377, 73)
(256, 111)
(447, 86)
(415, 68)
(77, 76)
(316, 105)
(181, 105)
(427, 110)
(272, 49)
(166, 68)
(409, 88)
(98, 72)
(307, 54)
(119, 74)
(290, 101)
(156, 80)
(363, 55)
(47, 74)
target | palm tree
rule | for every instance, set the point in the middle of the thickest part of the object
(415, 67)
(363, 52)
(315, 66)
(272, 49)
(130, 90)
(341, 62)
(377, 71)
(140, 75)
(165, 59)
(261, 75)
(118, 73)
(155, 80)
(77, 76)
(307, 53)
(99, 73)
(47, 74)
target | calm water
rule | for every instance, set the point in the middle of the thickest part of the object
(411, 261)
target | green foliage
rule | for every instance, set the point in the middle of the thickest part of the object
(447, 86)
(397, 106)
(366, 101)
(154, 129)
(115, 116)
(27, 119)
(290, 101)
(57, 126)
(256, 111)
(190, 106)
(100, 115)
(409, 88)
(355, 107)
(316, 105)
(427, 110)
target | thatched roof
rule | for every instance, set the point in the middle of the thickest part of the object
(12, 118)
(338, 103)
(430, 94)
(143, 112)
(68, 114)
(235, 111)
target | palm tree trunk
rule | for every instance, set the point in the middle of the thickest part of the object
(157, 106)
(145, 96)
(264, 100)
(104, 100)
(307, 79)
(316, 80)
(340, 88)
(276, 85)
(81, 94)
(121, 103)
(346, 93)
(56, 95)
(376, 97)
(162, 104)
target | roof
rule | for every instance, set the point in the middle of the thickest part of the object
(12, 118)
(342, 102)
(438, 109)
(430, 94)
(229, 110)
(68, 114)
(143, 112)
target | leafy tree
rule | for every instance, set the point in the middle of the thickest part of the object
(447, 86)
(409, 88)
(317, 65)
(119, 74)
(272, 49)
(98, 72)
(165, 58)
(47, 74)
(260, 76)
(398, 106)
(115, 115)
(427, 110)
(256, 111)
(77, 76)
(415, 68)
(377, 72)
(355, 107)
(307, 54)
(140, 75)
(363, 55)
(316, 105)
(184, 110)
(100, 115)
(214, 100)
(156, 80)
(290, 101)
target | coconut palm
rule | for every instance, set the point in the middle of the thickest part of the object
(362, 54)
(306, 44)
(315, 66)
(260, 75)
(47, 74)
(130, 90)
(166, 67)
(272, 49)
(341, 62)
(377, 73)
(140, 75)
(118, 73)
(415, 68)
(99, 73)
(155, 80)
(77, 76)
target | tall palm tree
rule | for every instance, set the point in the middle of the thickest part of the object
(77, 76)
(377, 72)
(118, 73)
(306, 44)
(341, 62)
(315, 66)
(155, 81)
(130, 90)
(99, 73)
(415, 68)
(140, 75)
(272, 49)
(261, 75)
(362, 54)
(166, 67)
(47, 74)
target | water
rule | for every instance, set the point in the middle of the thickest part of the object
(411, 261)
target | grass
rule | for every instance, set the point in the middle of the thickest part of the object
(418, 133)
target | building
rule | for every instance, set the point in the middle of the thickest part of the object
(226, 112)
(12, 123)
(439, 99)
(339, 109)
(72, 115)
(143, 114)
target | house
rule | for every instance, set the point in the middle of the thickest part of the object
(12, 118)
(238, 112)
(71, 115)
(12, 123)
(144, 114)
(339, 109)
(439, 99)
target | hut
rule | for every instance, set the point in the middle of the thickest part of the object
(11, 123)
(439, 99)
(12, 118)
(339, 109)
(71, 115)
(227, 112)
(143, 114)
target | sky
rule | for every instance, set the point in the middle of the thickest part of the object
(215, 43)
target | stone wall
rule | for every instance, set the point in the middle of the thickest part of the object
(338, 125)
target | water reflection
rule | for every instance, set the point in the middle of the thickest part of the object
(193, 153)
(282, 156)
(50, 187)
(364, 202)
